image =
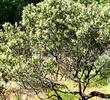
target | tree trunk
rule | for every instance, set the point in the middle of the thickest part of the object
(84, 98)
(98, 94)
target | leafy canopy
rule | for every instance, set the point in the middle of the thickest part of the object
(57, 39)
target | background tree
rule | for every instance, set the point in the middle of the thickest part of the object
(11, 10)
(57, 40)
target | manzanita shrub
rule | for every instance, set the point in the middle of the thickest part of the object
(57, 40)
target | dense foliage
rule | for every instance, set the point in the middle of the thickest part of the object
(11, 10)
(56, 40)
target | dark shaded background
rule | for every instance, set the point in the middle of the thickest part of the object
(11, 10)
